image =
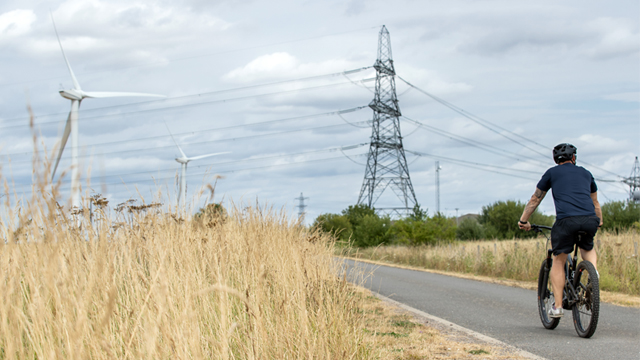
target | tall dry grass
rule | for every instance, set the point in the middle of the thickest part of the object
(618, 262)
(150, 285)
(250, 287)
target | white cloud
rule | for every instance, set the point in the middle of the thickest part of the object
(615, 37)
(282, 64)
(17, 22)
(633, 96)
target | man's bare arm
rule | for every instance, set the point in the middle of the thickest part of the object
(532, 205)
(596, 204)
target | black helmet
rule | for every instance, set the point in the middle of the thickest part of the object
(563, 152)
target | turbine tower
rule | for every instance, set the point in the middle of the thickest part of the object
(184, 160)
(76, 95)
(386, 163)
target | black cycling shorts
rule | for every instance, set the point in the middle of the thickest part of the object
(564, 234)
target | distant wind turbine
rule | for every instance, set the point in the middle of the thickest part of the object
(76, 95)
(184, 160)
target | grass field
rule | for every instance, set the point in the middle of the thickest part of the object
(250, 287)
(618, 261)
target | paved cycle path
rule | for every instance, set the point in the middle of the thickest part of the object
(502, 312)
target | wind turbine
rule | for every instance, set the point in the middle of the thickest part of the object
(184, 160)
(76, 95)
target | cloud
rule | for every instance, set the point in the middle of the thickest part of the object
(633, 96)
(615, 37)
(283, 65)
(17, 22)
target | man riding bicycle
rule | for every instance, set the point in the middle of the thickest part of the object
(575, 197)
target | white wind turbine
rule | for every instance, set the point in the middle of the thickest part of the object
(184, 160)
(76, 95)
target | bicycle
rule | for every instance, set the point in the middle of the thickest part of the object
(581, 290)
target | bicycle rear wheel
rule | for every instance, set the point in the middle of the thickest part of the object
(545, 297)
(587, 308)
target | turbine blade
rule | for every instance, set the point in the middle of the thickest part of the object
(65, 135)
(205, 156)
(76, 84)
(106, 94)
(174, 140)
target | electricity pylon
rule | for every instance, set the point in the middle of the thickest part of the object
(301, 206)
(634, 182)
(386, 163)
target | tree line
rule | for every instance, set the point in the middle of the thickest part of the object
(360, 226)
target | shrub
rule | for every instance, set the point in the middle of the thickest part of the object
(620, 215)
(338, 225)
(500, 220)
(470, 229)
(422, 230)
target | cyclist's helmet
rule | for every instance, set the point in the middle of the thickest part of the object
(563, 152)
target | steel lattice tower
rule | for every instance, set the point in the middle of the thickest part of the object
(386, 163)
(634, 181)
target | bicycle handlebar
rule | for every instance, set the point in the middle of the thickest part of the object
(538, 228)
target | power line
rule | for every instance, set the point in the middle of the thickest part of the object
(476, 165)
(208, 141)
(489, 148)
(482, 122)
(111, 143)
(333, 149)
(182, 106)
(208, 93)
(477, 119)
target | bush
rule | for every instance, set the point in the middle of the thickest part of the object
(338, 225)
(371, 230)
(420, 229)
(620, 215)
(470, 229)
(358, 224)
(500, 220)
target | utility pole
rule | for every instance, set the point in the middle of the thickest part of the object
(386, 163)
(457, 216)
(438, 168)
(301, 206)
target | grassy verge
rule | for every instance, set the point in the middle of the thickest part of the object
(250, 286)
(397, 335)
(618, 263)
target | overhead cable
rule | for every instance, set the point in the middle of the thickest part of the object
(478, 120)
(207, 93)
(110, 143)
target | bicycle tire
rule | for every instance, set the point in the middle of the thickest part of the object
(545, 297)
(587, 308)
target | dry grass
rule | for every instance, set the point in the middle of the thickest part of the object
(251, 287)
(397, 335)
(618, 263)
(143, 283)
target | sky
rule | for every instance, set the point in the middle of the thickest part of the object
(270, 82)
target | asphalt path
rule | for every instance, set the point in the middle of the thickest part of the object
(505, 313)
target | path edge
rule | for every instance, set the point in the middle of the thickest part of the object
(457, 327)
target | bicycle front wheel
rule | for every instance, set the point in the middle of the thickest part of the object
(545, 297)
(587, 308)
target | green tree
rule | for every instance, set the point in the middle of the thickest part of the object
(500, 220)
(338, 225)
(470, 229)
(620, 215)
(419, 229)
(371, 230)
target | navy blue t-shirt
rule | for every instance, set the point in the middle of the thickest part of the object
(572, 187)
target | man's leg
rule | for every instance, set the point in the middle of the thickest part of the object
(557, 277)
(590, 256)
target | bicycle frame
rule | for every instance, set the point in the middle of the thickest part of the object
(570, 295)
